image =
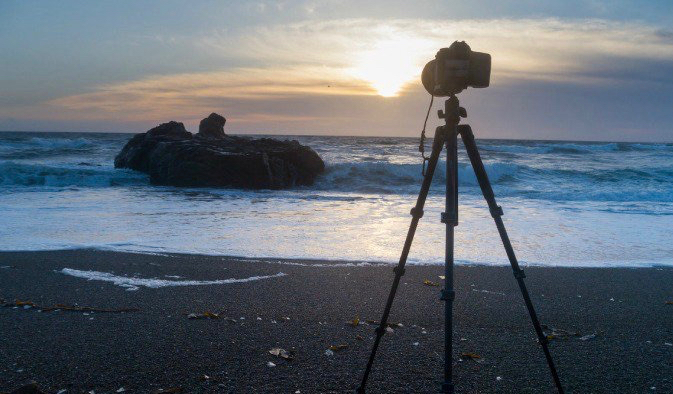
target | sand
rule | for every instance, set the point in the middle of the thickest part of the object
(305, 311)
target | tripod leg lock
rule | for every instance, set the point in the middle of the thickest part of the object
(416, 213)
(449, 218)
(399, 271)
(448, 295)
(519, 274)
(496, 211)
(380, 331)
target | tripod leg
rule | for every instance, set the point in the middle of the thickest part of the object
(416, 213)
(496, 213)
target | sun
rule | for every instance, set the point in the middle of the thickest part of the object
(388, 65)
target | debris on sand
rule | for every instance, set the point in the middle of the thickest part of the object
(171, 390)
(204, 315)
(336, 348)
(355, 322)
(558, 333)
(427, 282)
(63, 307)
(470, 356)
(389, 324)
(282, 353)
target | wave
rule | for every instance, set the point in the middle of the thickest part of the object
(393, 178)
(21, 174)
(37, 147)
(571, 148)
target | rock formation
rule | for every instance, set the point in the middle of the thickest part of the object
(173, 156)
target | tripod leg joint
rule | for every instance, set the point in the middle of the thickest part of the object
(496, 211)
(416, 212)
(519, 274)
(380, 331)
(399, 271)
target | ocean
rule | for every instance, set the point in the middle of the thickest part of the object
(576, 204)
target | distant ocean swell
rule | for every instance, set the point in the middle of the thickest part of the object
(598, 173)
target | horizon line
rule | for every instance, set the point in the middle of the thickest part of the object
(348, 136)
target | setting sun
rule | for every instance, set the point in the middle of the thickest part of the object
(390, 64)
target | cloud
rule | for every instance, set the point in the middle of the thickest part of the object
(360, 57)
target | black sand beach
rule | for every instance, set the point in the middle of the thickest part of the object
(159, 347)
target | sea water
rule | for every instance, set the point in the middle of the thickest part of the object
(566, 203)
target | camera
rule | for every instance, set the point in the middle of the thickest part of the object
(456, 68)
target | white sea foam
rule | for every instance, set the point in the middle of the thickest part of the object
(134, 283)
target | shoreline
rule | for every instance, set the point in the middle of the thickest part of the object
(306, 311)
(308, 261)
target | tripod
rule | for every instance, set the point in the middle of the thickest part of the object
(448, 134)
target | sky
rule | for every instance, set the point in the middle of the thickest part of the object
(566, 70)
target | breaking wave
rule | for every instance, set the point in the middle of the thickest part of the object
(81, 174)
(395, 178)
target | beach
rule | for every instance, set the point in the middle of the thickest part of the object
(613, 327)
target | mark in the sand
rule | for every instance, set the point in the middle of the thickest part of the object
(488, 292)
(134, 283)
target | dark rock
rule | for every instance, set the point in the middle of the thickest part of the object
(212, 126)
(171, 156)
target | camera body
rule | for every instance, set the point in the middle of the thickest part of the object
(456, 68)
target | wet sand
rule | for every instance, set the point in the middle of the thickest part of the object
(305, 311)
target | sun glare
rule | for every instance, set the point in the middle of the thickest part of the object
(389, 65)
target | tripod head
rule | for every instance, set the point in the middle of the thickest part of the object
(452, 111)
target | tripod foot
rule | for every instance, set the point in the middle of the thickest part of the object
(447, 388)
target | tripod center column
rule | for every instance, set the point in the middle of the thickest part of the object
(451, 116)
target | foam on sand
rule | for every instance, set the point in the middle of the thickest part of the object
(134, 283)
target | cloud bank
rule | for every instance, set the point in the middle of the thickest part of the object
(347, 65)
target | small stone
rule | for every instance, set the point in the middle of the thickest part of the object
(270, 364)
(329, 353)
